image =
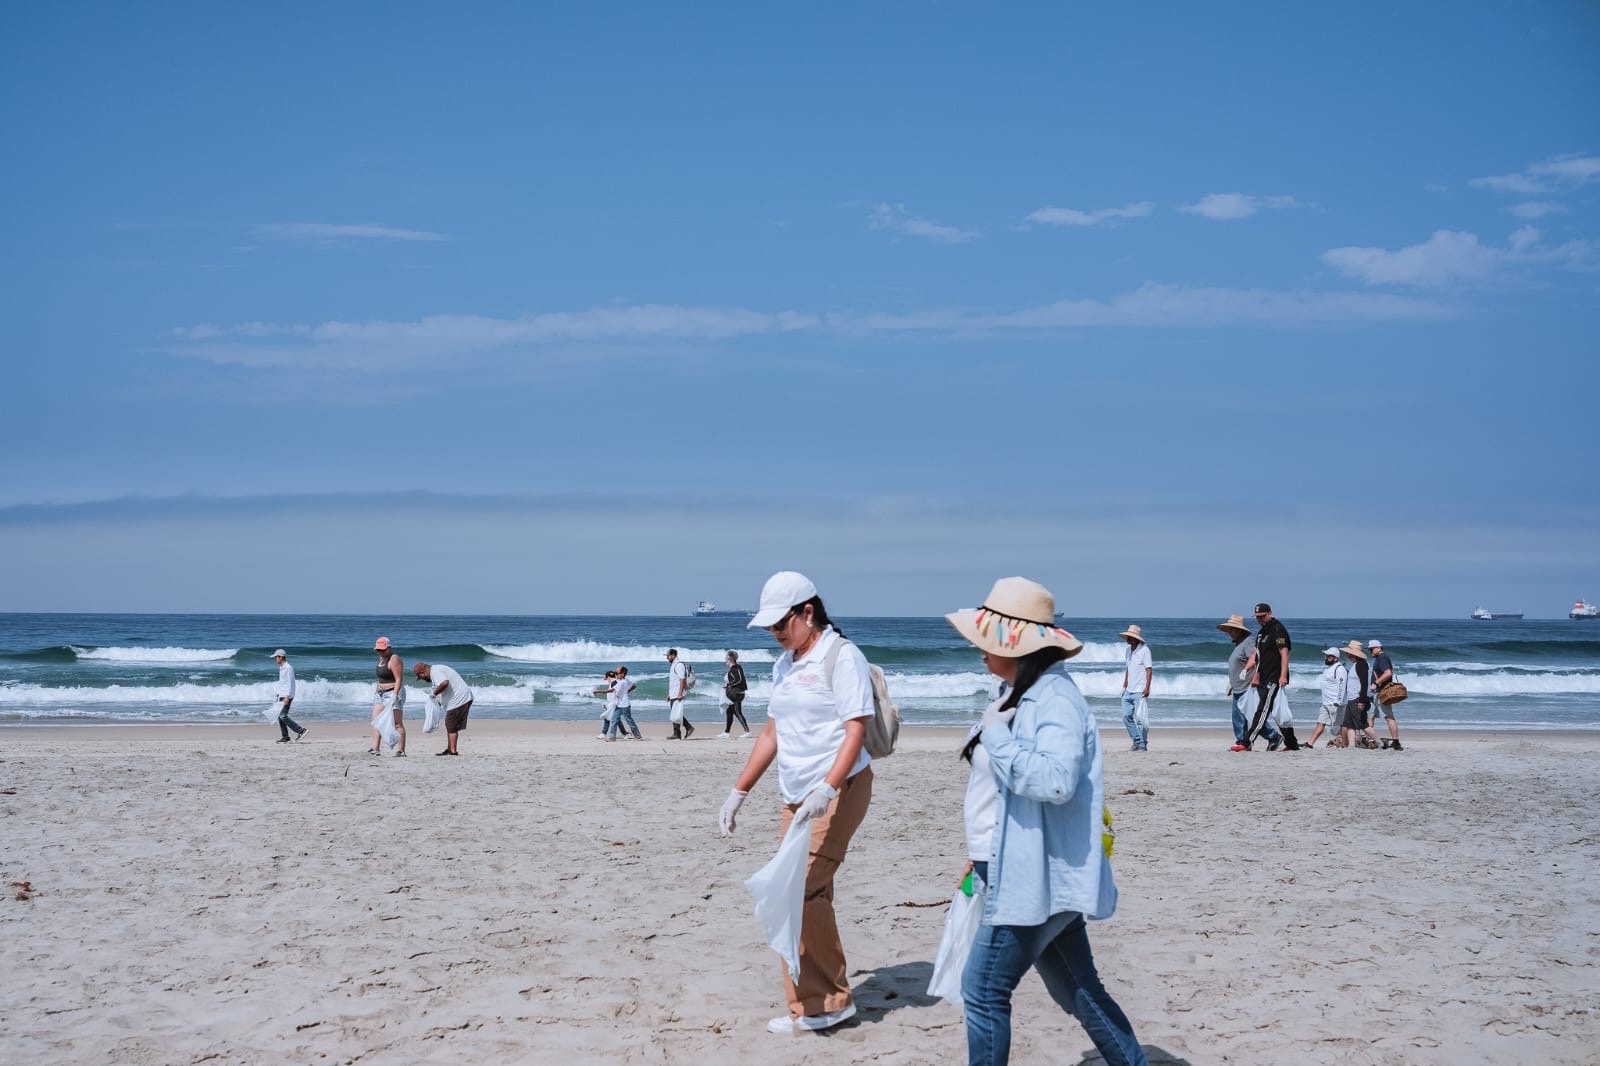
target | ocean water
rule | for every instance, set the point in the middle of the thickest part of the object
(215, 668)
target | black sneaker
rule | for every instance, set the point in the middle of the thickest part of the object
(688, 731)
(285, 740)
(302, 734)
(1396, 746)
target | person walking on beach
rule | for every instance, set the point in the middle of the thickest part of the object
(284, 694)
(622, 711)
(1271, 678)
(1034, 809)
(677, 690)
(1356, 723)
(1241, 664)
(391, 696)
(1335, 681)
(734, 687)
(816, 730)
(1136, 674)
(610, 694)
(1382, 674)
(450, 690)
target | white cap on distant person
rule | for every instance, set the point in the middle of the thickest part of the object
(1332, 653)
(280, 654)
(783, 590)
(1374, 643)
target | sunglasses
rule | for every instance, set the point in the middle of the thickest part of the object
(777, 628)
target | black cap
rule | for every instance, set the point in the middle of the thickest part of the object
(1263, 608)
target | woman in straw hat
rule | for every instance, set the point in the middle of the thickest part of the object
(1047, 869)
(1355, 710)
(816, 730)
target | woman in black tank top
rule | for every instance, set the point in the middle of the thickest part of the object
(391, 691)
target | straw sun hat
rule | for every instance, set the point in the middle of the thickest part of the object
(1017, 618)
(1133, 631)
(1235, 621)
(1354, 648)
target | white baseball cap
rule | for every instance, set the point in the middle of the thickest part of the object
(1374, 643)
(280, 654)
(782, 591)
(1331, 651)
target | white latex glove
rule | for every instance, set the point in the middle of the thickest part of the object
(993, 715)
(816, 802)
(730, 810)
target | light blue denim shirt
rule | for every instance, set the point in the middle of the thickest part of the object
(1048, 855)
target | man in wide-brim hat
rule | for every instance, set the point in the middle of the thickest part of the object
(1136, 674)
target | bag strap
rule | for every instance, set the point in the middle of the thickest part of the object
(831, 658)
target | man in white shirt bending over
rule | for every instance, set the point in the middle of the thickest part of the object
(677, 689)
(451, 691)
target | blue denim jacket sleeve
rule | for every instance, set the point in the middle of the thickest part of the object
(1044, 764)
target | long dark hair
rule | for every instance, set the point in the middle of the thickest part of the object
(819, 614)
(1030, 668)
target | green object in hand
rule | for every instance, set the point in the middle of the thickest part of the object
(966, 883)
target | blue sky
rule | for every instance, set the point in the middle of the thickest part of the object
(609, 308)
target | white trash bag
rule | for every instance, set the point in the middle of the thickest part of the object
(435, 715)
(1141, 714)
(1280, 715)
(780, 891)
(384, 724)
(960, 931)
(272, 712)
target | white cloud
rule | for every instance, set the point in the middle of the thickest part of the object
(1449, 256)
(1230, 206)
(1536, 209)
(326, 233)
(1554, 174)
(1070, 216)
(893, 218)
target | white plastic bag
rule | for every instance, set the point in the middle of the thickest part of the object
(1141, 714)
(780, 891)
(272, 711)
(435, 715)
(384, 724)
(960, 931)
(677, 711)
(1280, 715)
(724, 702)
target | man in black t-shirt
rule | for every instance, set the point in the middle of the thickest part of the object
(1272, 677)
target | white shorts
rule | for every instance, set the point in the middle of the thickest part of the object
(1331, 715)
(394, 699)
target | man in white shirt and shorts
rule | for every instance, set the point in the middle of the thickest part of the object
(456, 697)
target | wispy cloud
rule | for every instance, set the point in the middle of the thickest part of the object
(1554, 174)
(440, 339)
(894, 219)
(1231, 206)
(328, 233)
(1449, 257)
(1534, 209)
(1071, 216)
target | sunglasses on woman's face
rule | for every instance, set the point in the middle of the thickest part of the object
(777, 628)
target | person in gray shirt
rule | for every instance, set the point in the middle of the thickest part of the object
(1241, 664)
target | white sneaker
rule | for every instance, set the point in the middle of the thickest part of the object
(811, 1023)
(745, 736)
(599, 736)
(724, 736)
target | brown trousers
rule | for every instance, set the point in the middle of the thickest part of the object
(824, 983)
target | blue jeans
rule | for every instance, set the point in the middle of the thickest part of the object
(1140, 735)
(1244, 705)
(617, 715)
(1059, 950)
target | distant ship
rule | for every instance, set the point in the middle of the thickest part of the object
(706, 609)
(1483, 614)
(1584, 609)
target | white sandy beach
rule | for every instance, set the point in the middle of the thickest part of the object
(202, 894)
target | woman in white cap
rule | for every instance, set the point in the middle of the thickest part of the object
(1038, 751)
(816, 727)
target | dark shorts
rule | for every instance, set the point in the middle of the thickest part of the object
(455, 719)
(1354, 716)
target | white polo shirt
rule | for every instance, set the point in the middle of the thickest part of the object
(457, 694)
(809, 717)
(675, 678)
(1138, 660)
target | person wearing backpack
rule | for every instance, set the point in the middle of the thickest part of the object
(679, 682)
(816, 732)
(1047, 870)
